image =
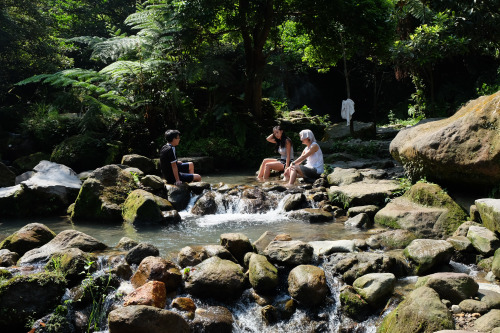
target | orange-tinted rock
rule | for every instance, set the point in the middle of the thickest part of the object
(184, 304)
(152, 293)
(283, 237)
(157, 269)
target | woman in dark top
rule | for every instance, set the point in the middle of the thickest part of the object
(284, 148)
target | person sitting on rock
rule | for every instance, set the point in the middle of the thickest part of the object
(313, 156)
(285, 149)
(174, 171)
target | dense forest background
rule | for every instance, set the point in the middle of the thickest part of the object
(83, 82)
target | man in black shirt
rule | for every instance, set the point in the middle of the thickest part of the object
(174, 171)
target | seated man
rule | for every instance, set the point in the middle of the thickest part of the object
(174, 171)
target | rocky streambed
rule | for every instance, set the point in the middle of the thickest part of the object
(426, 264)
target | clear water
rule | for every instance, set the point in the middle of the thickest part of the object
(198, 230)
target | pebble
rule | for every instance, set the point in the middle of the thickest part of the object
(455, 309)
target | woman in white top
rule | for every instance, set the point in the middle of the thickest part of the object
(313, 156)
(284, 148)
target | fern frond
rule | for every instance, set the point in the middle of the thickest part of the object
(419, 10)
(115, 47)
(33, 79)
(88, 40)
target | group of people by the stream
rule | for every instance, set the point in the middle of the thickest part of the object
(176, 172)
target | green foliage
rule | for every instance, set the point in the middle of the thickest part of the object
(81, 152)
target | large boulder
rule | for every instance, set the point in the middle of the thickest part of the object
(324, 248)
(307, 285)
(102, 195)
(25, 297)
(50, 190)
(206, 204)
(391, 239)
(454, 287)
(354, 265)
(341, 176)
(461, 149)
(29, 237)
(215, 277)
(289, 253)
(495, 265)
(139, 252)
(367, 192)
(146, 319)
(312, 215)
(142, 207)
(179, 196)
(427, 254)
(425, 210)
(64, 240)
(263, 276)
(421, 311)
(489, 210)
(73, 263)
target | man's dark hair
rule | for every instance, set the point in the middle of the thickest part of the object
(171, 134)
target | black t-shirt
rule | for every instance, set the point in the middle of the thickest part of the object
(167, 156)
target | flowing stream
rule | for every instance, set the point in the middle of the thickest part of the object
(201, 230)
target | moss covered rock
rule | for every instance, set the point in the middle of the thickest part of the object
(143, 207)
(422, 311)
(263, 275)
(30, 236)
(26, 297)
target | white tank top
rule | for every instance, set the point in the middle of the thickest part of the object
(316, 159)
(282, 152)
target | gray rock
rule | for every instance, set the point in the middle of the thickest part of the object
(142, 163)
(136, 254)
(463, 229)
(219, 251)
(217, 278)
(214, 319)
(8, 258)
(289, 253)
(146, 319)
(370, 210)
(191, 256)
(491, 298)
(457, 150)
(152, 181)
(473, 306)
(264, 240)
(205, 205)
(375, 288)
(263, 276)
(126, 243)
(237, 244)
(179, 196)
(489, 210)
(312, 215)
(341, 176)
(64, 240)
(391, 239)
(359, 221)
(461, 243)
(328, 247)
(421, 308)
(29, 237)
(373, 192)
(293, 201)
(427, 254)
(455, 287)
(307, 285)
(142, 207)
(483, 239)
(488, 321)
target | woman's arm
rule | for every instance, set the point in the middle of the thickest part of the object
(288, 153)
(305, 155)
(271, 138)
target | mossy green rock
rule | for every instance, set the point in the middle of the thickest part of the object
(352, 304)
(263, 275)
(102, 194)
(425, 209)
(422, 311)
(73, 263)
(31, 296)
(143, 207)
(30, 236)
(454, 287)
(495, 265)
(489, 210)
(426, 254)
(81, 152)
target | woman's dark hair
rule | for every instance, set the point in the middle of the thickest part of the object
(171, 134)
(280, 142)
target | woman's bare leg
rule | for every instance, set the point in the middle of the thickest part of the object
(296, 172)
(278, 166)
(262, 166)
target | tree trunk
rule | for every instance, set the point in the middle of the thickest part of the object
(254, 39)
